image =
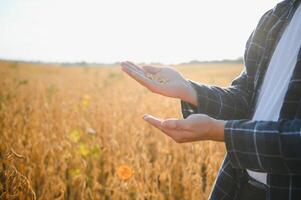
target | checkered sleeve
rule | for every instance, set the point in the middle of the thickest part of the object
(221, 103)
(268, 146)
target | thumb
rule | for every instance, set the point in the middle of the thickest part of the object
(151, 69)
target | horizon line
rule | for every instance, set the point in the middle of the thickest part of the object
(87, 63)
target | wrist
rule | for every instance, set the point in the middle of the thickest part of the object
(217, 131)
(190, 94)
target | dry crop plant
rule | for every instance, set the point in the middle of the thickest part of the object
(77, 133)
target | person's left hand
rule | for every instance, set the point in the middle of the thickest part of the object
(194, 128)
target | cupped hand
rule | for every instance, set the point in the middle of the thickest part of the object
(165, 81)
(194, 128)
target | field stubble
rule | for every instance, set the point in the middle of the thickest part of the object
(78, 133)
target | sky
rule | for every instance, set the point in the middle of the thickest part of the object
(166, 31)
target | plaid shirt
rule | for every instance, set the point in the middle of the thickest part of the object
(264, 146)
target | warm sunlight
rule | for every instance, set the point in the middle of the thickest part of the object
(168, 31)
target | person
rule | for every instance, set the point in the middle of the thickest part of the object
(258, 117)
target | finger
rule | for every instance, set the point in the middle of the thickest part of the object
(153, 120)
(134, 66)
(179, 124)
(179, 136)
(151, 69)
(158, 124)
(128, 69)
(183, 124)
(143, 80)
(125, 65)
(170, 123)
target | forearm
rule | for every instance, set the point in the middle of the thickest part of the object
(221, 103)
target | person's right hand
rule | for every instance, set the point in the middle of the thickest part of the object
(172, 83)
